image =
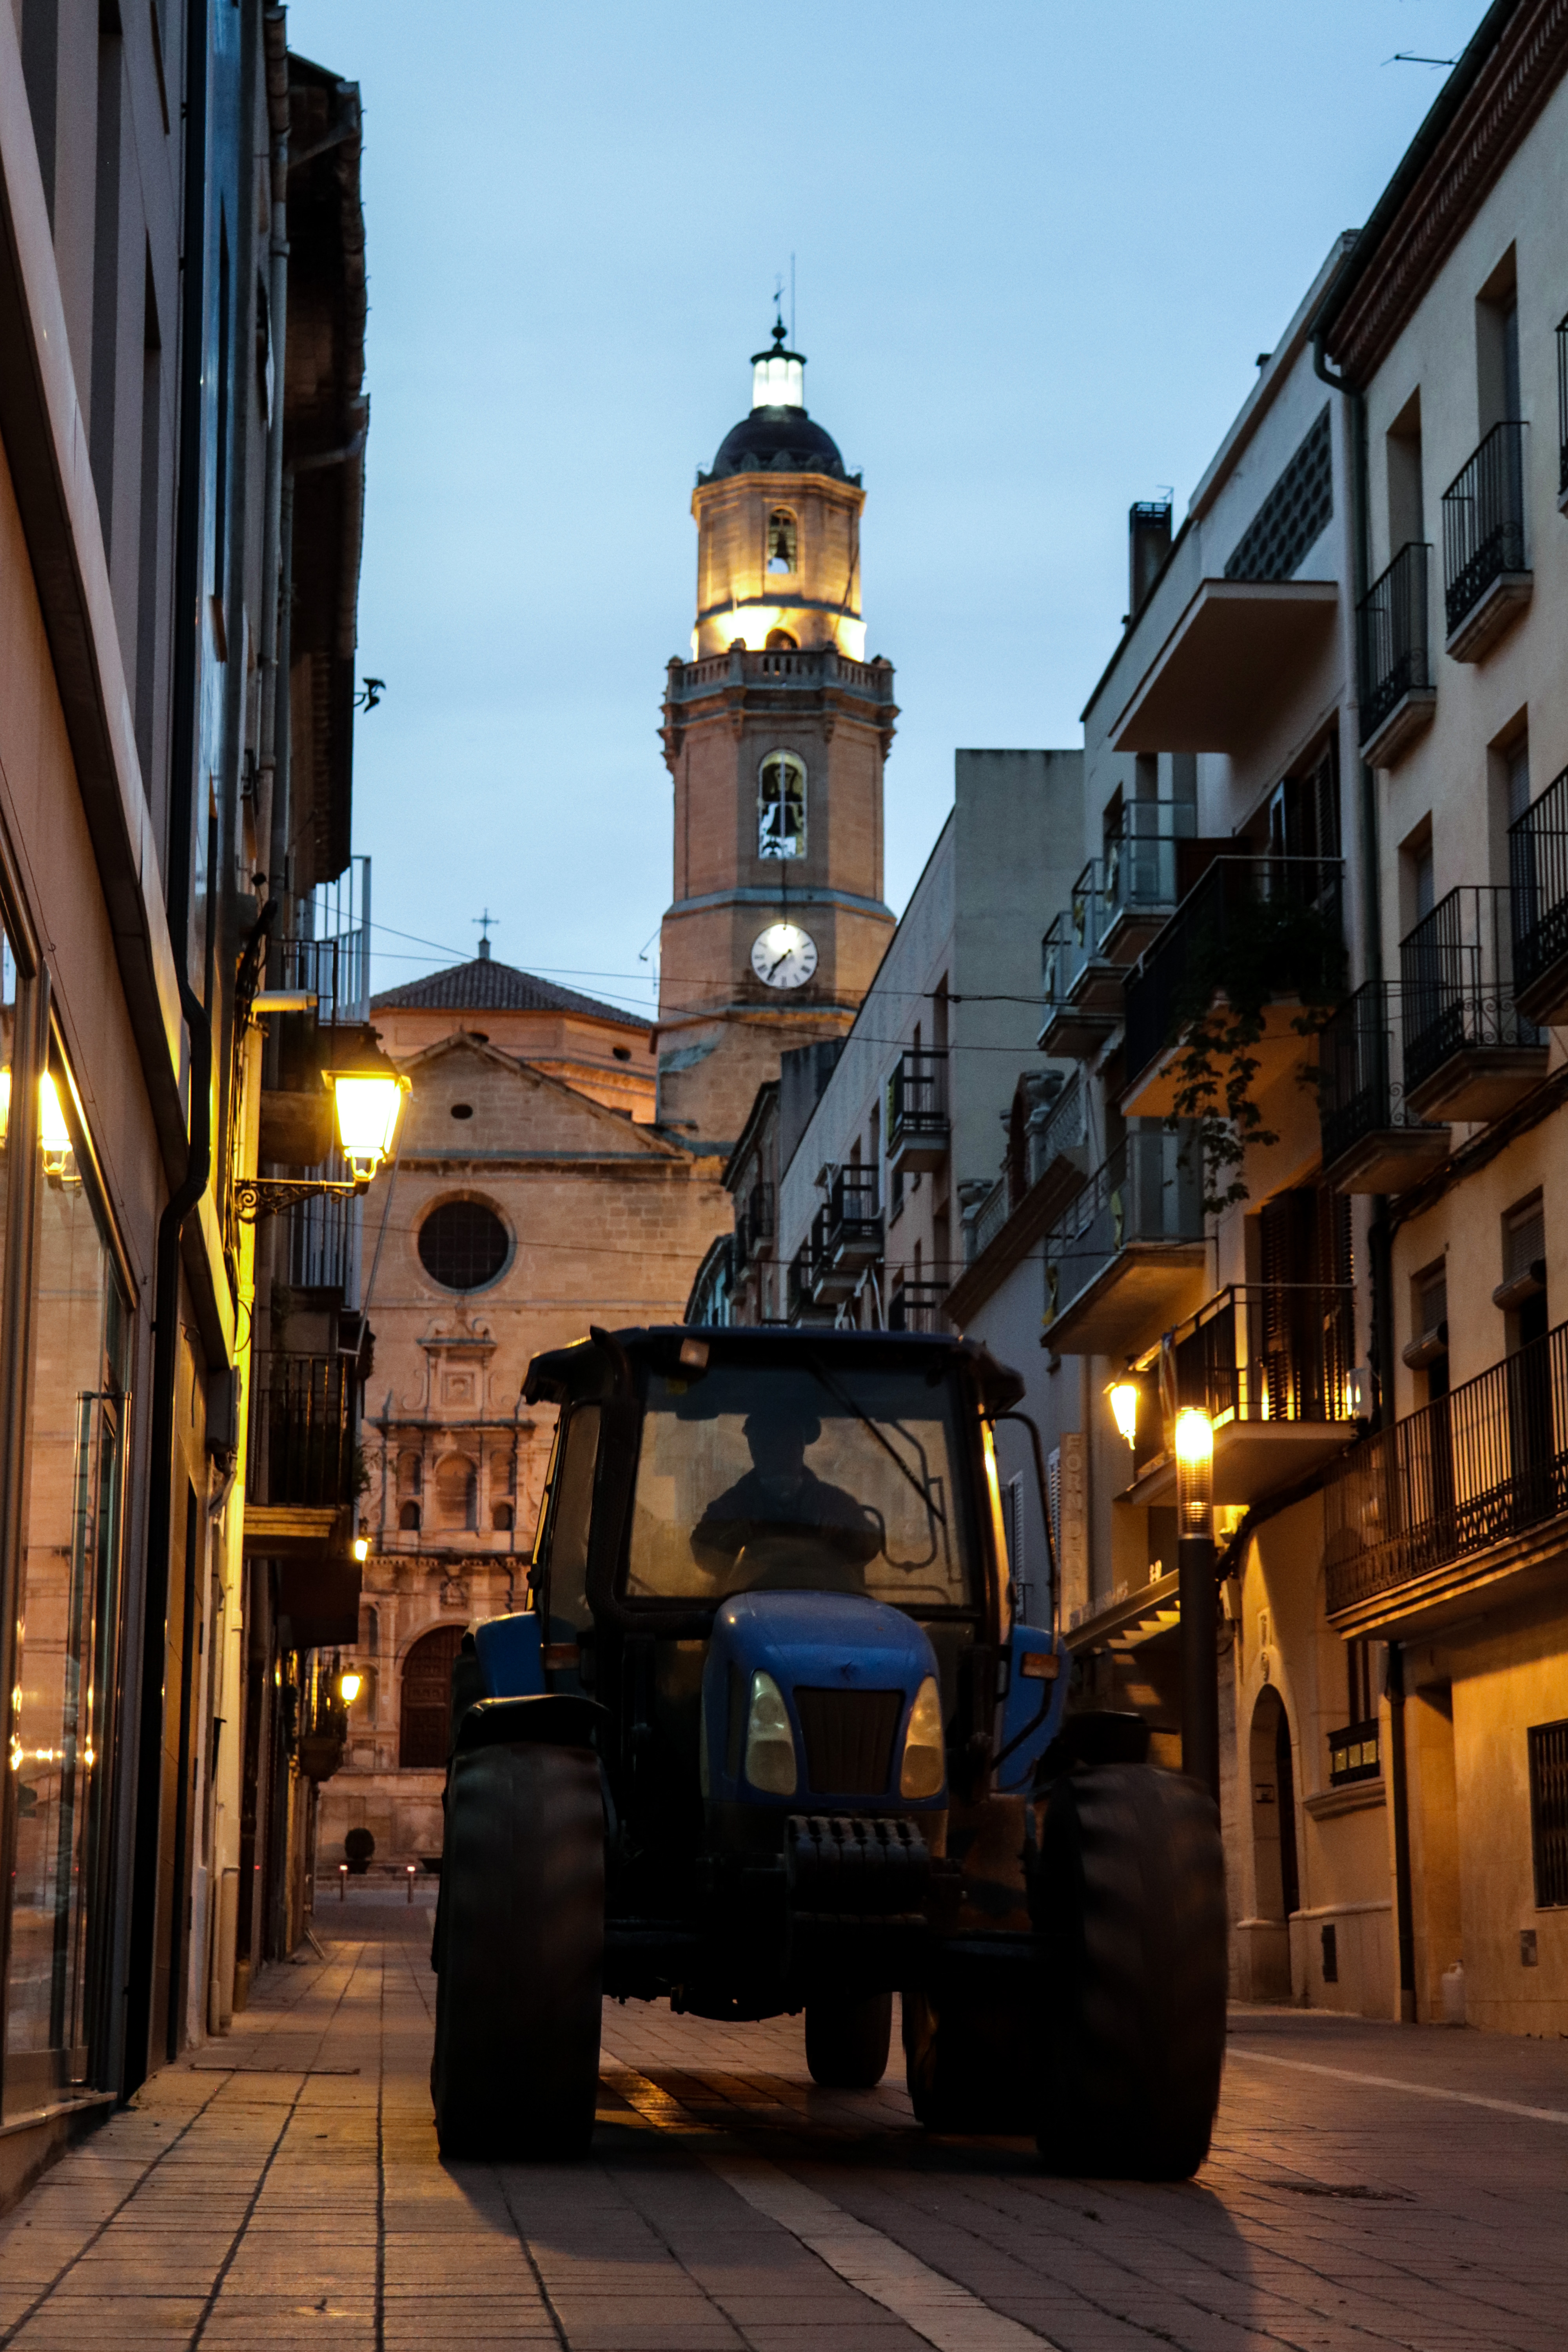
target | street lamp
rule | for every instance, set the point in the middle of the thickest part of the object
(368, 1101)
(1124, 1395)
(1196, 1589)
(350, 1686)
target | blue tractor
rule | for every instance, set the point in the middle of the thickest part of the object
(772, 1738)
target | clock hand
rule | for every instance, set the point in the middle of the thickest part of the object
(774, 967)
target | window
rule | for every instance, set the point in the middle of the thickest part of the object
(408, 1518)
(781, 807)
(463, 1245)
(424, 1732)
(783, 540)
(1549, 1812)
(501, 1518)
(69, 1603)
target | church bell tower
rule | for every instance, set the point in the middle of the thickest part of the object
(776, 732)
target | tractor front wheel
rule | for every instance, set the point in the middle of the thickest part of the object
(847, 2040)
(519, 1948)
(1130, 1896)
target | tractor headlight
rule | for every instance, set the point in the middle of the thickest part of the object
(925, 1765)
(769, 1742)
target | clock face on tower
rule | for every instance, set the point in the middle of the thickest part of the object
(784, 956)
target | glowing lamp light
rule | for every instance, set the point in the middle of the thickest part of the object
(54, 1134)
(1124, 1395)
(369, 1108)
(362, 1548)
(350, 1684)
(1194, 1472)
(5, 1102)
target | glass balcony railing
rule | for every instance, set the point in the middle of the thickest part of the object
(1149, 1190)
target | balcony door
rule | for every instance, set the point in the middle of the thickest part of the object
(1304, 1347)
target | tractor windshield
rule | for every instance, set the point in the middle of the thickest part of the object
(824, 1480)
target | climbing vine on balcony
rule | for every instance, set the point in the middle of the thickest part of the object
(1267, 949)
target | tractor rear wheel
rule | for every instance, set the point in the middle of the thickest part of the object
(519, 1951)
(968, 2058)
(1131, 1895)
(847, 2040)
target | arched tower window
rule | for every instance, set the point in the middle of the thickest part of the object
(425, 1727)
(781, 807)
(783, 540)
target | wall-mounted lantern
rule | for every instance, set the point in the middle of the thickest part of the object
(368, 1095)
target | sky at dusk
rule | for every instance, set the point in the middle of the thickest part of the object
(1037, 249)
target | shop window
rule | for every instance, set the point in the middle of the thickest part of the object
(69, 1604)
(781, 807)
(424, 1723)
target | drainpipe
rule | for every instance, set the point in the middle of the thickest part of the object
(183, 755)
(1379, 1238)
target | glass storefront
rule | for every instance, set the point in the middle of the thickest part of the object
(67, 1605)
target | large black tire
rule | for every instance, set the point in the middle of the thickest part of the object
(848, 2041)
(1131, 1895)
(969, 2059)
(519, 1954)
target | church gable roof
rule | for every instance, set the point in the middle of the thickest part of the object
(484, 985)
(551, 1115)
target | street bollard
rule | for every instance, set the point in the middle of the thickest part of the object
(411, 1882)
(343, 1881)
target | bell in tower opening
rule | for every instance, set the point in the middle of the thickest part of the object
(776, 732)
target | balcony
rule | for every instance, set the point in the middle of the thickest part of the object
(1485, 579)
(1011, 1219)
(917, 1119)
(1140, 874)
(801, 1302)
(302, 1486)
(848, 1236)
(1373, 1140)
(1470, 1053)
(1428, 1520)
(1537, 873)
(753, 1224)
(1270, 1364)
(1280, 915)
(1242, 650)
(917, 1306)
(1129, 1252)
(1398, 693)
(1080, 986)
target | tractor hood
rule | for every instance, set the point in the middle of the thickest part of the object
(847, 1672)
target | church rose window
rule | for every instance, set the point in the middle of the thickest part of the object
(463, 1245)
(782, 540)
(781, 807)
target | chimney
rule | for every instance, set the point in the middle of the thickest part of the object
(1148, 544)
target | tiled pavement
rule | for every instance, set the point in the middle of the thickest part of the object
(283, 2190)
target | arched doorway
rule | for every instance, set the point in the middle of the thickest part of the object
(1277, 1877)
(425, 1716)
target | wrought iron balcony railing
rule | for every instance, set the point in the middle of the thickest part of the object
(1286, 909)
(1456, 970)
(1487, 1462)
(1360, 1073)
(1150, 1190)
(1483, 522)
(917, 1102)
(304, 1427)
(1395, 660)
(1538, 876)
(1268, 1351)
(917, 1306)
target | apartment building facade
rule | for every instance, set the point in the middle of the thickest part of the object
(143, 397)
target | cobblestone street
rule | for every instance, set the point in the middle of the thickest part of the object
(1369, 2186)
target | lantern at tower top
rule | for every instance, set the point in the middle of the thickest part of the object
(778, 376)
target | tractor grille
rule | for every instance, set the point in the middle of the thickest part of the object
(849, 1739)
